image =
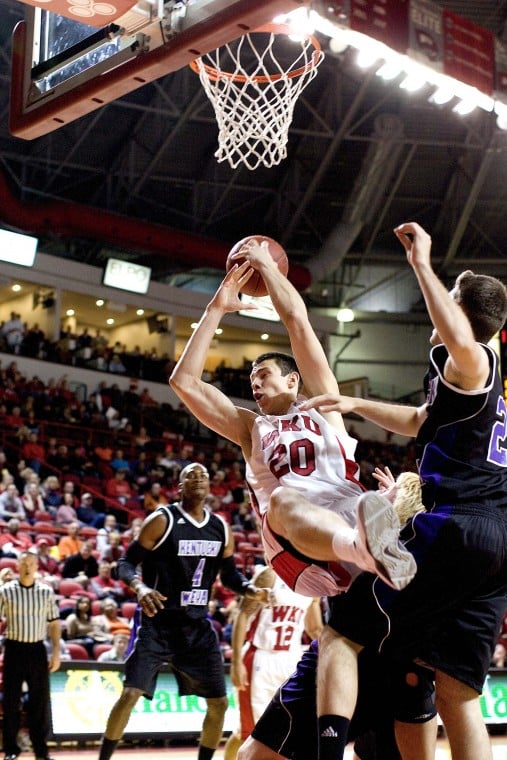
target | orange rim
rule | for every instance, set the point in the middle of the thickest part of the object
(215, 74)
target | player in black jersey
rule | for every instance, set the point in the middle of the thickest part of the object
(181, 548)
(449, 615)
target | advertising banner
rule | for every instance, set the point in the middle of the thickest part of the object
(82, 698)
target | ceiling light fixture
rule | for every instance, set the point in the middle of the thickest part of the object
(344, 314)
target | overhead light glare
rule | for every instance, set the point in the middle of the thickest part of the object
(464, 107)
(265, 336)
(345, 314)
(16, 287)
(110, 321)
(441, 96)
(389, 70)
(99, 302)
(367, 57)
(413, 82)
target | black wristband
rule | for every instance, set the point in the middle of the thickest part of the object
(232, 578)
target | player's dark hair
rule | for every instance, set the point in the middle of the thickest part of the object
(285, 362)
(484, 301)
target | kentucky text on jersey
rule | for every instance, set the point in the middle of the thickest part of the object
(198, 548)
(198, 596)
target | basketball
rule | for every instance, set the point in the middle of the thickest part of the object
(255, 285)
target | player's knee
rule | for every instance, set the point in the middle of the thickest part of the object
(129, 698)
(247, 750)
(415, 696)
(283, 499)
(217, 707)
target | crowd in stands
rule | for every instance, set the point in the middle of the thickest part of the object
(82, 349)
(75, 489)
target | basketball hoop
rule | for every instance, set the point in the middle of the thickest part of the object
(253, 84)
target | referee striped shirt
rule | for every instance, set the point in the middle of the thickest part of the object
(28, 610)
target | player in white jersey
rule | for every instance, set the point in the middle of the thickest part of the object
(267, 645)
(303, 451)
(310, 534)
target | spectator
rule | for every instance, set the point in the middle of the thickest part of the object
(133, 531)
(80, 627)
(118, 651)
(114, 549)
(6, 574)
(69, 487)
(66, 514)
(153, 498)
(33, 452)
(65, 655)
(118, 487)
(81, 566)
(110, 525)
(109, 622)
(87, 514)
(32, 501)
(13, 419)
(10, 504)
(70, 544)
(12, 542)
(48, 569)
(104, 586)
(119, 462)
(52, 493)
(116, 365)
(13, 331)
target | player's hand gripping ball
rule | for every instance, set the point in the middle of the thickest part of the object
(255, 285)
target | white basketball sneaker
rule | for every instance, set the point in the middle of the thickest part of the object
(378, 526)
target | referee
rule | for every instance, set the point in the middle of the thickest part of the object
(31, 612)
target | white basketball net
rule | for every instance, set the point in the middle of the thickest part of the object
(253, 91)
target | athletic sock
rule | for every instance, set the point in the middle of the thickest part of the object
(333, 730)
(107, 748)
(205, 753)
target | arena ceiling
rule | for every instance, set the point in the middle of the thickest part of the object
(363, 155)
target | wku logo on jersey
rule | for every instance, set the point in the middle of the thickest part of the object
(297, 424)
(285, 613)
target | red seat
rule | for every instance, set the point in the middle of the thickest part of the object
(128, 609)
(98, 649)
(96, 607)
(42, 516)
(9, 562)
(48, 537)
(66, 602)
(77, 651)
(68, 587)
(46, 526)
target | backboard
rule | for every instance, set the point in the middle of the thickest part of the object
(64, 68)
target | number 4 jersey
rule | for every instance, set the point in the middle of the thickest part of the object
(185, 562)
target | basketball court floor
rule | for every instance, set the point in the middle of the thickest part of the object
(188, 753)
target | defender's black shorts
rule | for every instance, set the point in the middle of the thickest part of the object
(189, 646)
(450, 614)
(289, 723)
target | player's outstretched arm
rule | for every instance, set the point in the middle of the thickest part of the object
(469, 362)
(206, 402)
(404, 420)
